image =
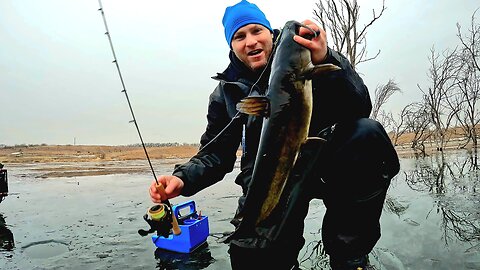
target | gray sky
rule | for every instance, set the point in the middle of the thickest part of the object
(58, 83)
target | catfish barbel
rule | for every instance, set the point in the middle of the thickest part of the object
(287, 108)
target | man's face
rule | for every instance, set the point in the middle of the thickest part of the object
(252, 44)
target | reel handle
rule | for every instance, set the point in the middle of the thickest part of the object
(175, 228)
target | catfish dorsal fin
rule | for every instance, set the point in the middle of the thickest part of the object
(309, 73)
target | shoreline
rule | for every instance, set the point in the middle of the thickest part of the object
(105, 153)
(92, 160)
(58, 161)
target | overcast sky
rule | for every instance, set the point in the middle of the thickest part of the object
(58, 84)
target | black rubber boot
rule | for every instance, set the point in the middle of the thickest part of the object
(350, 264)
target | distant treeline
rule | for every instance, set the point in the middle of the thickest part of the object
(163, 144)
(21, 145)
(168, 144)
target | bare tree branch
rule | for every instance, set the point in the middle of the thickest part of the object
(382, 94)
(471, 43)
(442, 74)
(341, 20)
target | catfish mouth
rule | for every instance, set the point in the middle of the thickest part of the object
(255, 52)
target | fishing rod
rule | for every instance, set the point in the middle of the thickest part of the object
(157, 212)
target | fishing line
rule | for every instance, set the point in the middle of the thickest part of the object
(134, 120)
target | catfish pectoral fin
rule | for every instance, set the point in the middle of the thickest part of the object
(312, 143)
(254, 105)
(319, 69)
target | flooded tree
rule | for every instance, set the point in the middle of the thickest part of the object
(468, 80)
(441, 74)
(417, 122)
(465, 101)
(398, 125)
(452, 96)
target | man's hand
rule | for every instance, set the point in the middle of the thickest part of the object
(173, 187)
(317, 45)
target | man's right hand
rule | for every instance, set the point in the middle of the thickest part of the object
(317, 46)
(173, 187)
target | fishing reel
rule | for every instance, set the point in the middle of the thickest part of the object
(159, 217)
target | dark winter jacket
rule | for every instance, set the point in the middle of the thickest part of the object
(337, 96)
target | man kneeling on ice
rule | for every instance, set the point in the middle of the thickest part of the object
(353, 169)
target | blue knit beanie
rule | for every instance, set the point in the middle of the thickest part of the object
(241, 14)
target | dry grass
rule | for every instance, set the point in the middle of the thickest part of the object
(81, 153)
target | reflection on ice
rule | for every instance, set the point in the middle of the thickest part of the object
(199, 259)
(6, 236)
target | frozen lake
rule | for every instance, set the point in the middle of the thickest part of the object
(431, 220)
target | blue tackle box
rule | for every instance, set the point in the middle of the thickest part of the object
(194, 229)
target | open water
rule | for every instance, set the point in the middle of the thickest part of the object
(431, 220)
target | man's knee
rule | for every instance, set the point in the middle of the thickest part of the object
(362, 130)
(365, 145)
(360, 158)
